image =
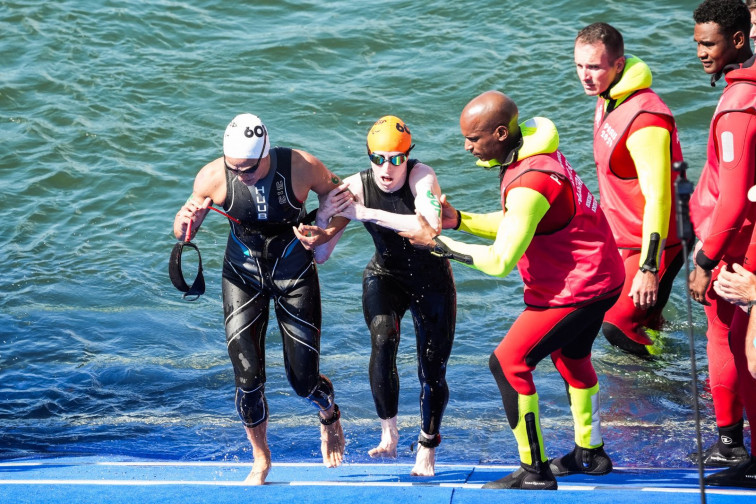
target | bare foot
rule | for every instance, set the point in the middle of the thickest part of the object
(425, 463)
(260, 470)
(261, 467)
(331, 441)
(389, 440)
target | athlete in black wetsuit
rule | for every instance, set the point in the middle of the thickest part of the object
(400, 277)
(263, 190)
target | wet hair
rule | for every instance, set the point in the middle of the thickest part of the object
(731, 15)
(607, 35)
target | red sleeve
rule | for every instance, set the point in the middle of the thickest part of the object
(647, 119)
(736, 152)
(546, 184)
(556, 191)
(622, 162)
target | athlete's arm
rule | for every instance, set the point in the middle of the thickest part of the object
(310, 174)
(525, 209)
(736, 141)
(427, 192)
(335, 201)
(209, 187)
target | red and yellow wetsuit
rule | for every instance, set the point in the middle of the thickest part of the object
(723, 220)
(554, 231)
(635, 143)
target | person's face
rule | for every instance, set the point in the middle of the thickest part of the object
(481, 140)
(248, 171)
(714, 49)
(389, 176)
(753, 26)
(595, 69)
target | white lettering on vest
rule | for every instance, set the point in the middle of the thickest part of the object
(608, 134)
(575, 181)
(281, 191)
(261, 203)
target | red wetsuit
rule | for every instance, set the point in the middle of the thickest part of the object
(624, 205)
(566, 299)
(723, 219)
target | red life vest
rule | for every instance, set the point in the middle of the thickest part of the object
(621, 198)
(738, 96)
(577, 263)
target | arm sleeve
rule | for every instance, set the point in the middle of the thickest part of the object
(736, 148)
(483, 225)
(650, 149)
(525, 209)
(426, 190)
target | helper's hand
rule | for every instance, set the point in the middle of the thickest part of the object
(335, 202)
(449, 217)
(737, 286)
(698, 283)
(423, 237)
(644, 290)
(312, 236)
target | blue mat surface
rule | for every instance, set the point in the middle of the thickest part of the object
(89, 480)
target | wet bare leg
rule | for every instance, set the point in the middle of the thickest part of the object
(331, 440)
(258, 436)
(389, 440)
(425, 463)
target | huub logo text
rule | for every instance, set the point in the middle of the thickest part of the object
(281, 191)
(261, 203)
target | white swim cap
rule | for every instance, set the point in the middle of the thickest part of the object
(246, 137)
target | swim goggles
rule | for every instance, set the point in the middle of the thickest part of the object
(379, 159)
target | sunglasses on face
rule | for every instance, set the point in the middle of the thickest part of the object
(252, 169)
(379, 160)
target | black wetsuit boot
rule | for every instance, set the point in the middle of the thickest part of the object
(728, 451)
(593, 461)
(536, 475)
(528, 477)
(742, 475)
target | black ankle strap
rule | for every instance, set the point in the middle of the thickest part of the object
(336, 415)
(429, 442)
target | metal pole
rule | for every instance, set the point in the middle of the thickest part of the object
(683, 190)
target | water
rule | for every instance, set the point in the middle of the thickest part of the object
(108, 110)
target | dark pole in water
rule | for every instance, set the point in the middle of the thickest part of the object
(683, 190)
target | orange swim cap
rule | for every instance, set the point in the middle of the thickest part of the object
(389, 134)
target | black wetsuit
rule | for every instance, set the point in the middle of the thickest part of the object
(400, 277)
(264, 259)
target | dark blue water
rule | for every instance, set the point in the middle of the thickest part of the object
(108, 110)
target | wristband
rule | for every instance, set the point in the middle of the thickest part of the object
(751, 303)
(459, 220)
(704, 262)
(653, 250)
